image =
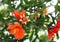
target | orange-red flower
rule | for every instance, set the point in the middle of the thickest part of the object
(16, 30)
(18, 14)
(45, 12)
(50, 34)
(21, 16)
(36, 16)
(54, 30)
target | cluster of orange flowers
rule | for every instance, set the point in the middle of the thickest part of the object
(16, 29)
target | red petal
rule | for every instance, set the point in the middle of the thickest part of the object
(23, 12)
(55, 29)
(10, 26)
(12, 32)
(17, 14)
(20, 34)
(58, 23)
(50, 34)
(18, 26)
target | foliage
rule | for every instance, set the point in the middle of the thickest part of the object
(35, 25)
